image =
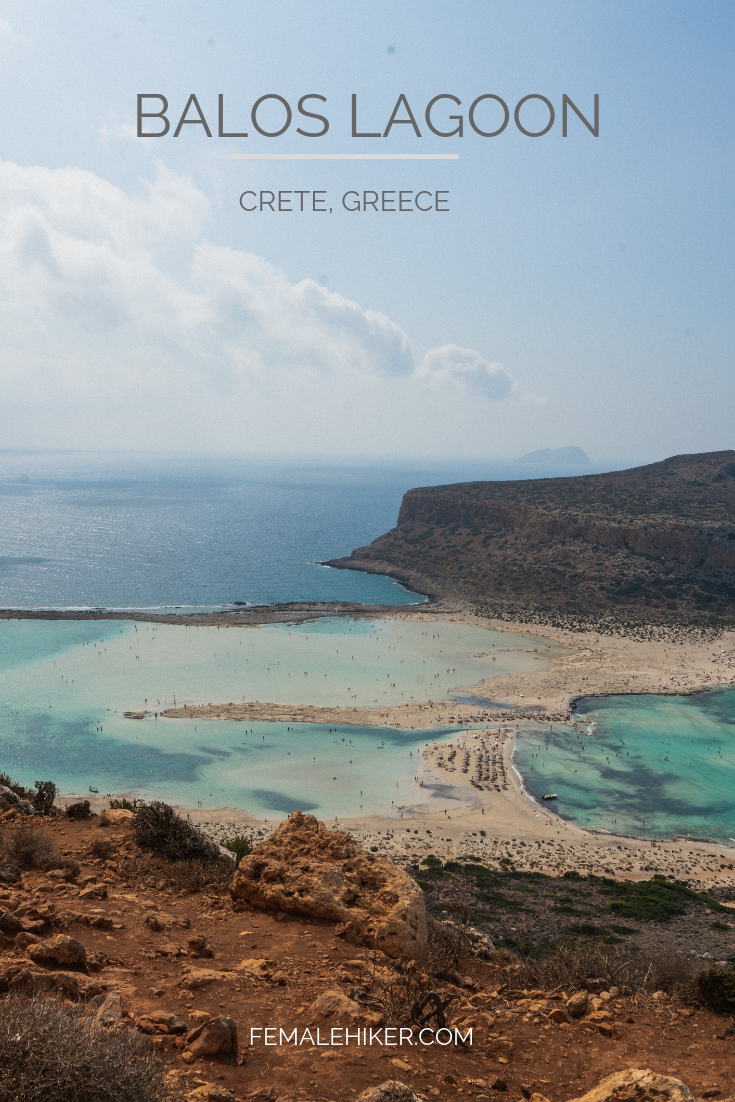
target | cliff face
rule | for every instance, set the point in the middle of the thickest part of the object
(661, 536)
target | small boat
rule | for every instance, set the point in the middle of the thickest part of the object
(93, 789)
(550, 796)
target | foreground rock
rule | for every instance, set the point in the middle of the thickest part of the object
(638, 1085)
(58, 950)
(24, 976)
(214, 1036)
(335, 1004)
(390, 1091)
(305, 868)
(117, 816)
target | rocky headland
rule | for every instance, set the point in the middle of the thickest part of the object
(650, 544)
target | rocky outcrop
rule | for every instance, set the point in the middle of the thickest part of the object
(257, 967)
(337, 1006)
(662, 536)
(11, 802)
(638, 1085)
(28, 978)
(161, 920)
(194, 978)
(58, 950)
(305, 868)
(117, 816)
(213, 1036)
(390, 1091)
(109, 1013)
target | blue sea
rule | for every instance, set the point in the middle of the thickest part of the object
(148, 531)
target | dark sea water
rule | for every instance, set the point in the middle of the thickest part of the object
(150, 531)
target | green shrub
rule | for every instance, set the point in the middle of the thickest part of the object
(656, 900)
(50, 1051)
(720, 926)
(21, 792)
(43, 801)
(157, 826)
(124, 805)
(715, 989)
(240, 846)
(78, 810)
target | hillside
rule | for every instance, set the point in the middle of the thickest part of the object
(656, 542)
(160, 958)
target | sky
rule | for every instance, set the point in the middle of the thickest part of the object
(574, 290)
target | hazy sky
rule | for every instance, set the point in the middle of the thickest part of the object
(577, 290)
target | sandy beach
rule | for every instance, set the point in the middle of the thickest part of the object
(451, 818)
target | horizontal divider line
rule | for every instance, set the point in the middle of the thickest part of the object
(344, 156)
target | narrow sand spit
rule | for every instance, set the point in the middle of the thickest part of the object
(451, 818)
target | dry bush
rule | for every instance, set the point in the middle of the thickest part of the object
(416, 992)
(182, 876)
(195, 876)
(158, 827)
(102, 848)
(409, 996)
(574, 966)
(49, 1051)
(29, 848)
(137, 870)
(21, 792)
(448, 946)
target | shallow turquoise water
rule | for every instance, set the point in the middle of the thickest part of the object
(652, 766)
(64, 686)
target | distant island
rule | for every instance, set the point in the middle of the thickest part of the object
(654, 543)
(570, 456)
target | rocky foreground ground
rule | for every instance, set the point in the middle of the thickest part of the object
(145, 948)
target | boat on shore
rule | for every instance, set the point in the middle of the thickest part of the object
(550, 796)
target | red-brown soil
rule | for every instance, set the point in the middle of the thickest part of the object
(515, 1042)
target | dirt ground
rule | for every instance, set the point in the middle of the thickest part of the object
(515, 1045)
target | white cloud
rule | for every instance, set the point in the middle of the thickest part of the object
(464, 371)
(101, 344)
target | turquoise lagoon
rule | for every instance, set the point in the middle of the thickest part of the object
(65, 684)
(650, 766)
